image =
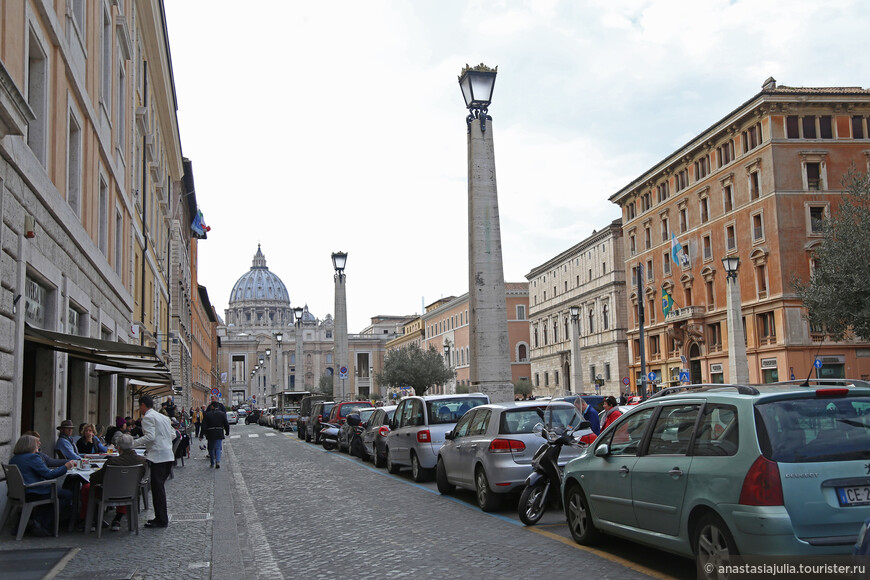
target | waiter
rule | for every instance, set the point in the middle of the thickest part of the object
(157, 441)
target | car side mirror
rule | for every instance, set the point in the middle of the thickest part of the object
(449, 436)
(602, 450)
(392, 424)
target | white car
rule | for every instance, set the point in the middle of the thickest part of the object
(232, 417)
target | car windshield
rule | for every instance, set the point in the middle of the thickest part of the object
(516, 421)
(355, 408)
(442, 411)
(364, 414)
(813, 430)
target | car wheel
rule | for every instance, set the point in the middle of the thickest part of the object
(532, 504)
(486, 499)
(307, 437)
(378, 459)
(391, 467)
(713, 545)
(420, 473)
(579, 516)
(444, 486)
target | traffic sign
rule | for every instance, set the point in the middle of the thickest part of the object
(626, 381)
(651, 376)
(215, 392)
(684, 376)
(818, 364)
(342, 372)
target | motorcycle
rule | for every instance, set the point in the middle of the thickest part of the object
(355, 445)
(545, 481)
(329, 436)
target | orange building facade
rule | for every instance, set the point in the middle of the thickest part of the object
(758, 185)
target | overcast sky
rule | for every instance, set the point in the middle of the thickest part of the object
(319, 126)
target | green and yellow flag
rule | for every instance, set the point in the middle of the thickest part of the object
(667, 302)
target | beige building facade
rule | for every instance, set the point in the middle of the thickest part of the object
(757, 185)
(591, 276)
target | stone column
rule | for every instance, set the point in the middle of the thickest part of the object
(576, 362)
(300, 370)
(489, 369)
(338, 386)
(738, 365)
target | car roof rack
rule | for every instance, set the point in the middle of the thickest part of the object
(826, 383)
(742, 389)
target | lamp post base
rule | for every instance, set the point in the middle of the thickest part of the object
(497, 392)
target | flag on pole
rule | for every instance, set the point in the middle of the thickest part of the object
(198, 226)
(667, 302)
(677, 254)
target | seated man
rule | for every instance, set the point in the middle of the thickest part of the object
(127, 457)
(65, 442)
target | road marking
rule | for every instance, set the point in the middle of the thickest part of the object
(234, 436)
(254, 435)
(265, 559)
(271, 434)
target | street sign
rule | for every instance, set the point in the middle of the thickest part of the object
(626, 381)
(651, 376)
(684, 376)
(215, 392)
(342, 373)
(818, 364)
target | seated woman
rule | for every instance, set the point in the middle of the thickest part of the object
(89, 443)
(33, 469)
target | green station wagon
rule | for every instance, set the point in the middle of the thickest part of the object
(713, 471)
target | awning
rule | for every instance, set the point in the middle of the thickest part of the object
(127, 360)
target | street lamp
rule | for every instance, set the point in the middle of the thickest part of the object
(279, 336)
(299, 374)
(576, 363)
(738, 365)
(489, 369)
(339, 260)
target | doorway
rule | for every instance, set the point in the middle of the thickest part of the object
(695, 364)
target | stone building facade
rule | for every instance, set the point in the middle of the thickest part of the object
(591, 276)
(90, 181)
(757, 185)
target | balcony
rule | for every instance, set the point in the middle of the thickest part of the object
(685, 313)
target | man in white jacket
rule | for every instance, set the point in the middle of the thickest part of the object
(157, 441)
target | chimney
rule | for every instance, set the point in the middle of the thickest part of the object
(769, 84)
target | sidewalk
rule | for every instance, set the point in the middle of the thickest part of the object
(200, 542)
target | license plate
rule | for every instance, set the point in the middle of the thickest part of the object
(857, 495)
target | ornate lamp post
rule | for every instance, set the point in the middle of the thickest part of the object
(339, 261)
(298, 372)
(576, 363)
(489, 367)
(279, 368)
(738, 364)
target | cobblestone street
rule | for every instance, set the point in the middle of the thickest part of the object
(281, 508)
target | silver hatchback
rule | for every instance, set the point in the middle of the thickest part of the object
(491, 448)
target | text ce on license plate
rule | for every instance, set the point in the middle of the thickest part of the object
(856, 495)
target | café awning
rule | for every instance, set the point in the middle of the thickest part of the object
(132, 361)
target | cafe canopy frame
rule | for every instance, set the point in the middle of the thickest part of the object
(141, 365)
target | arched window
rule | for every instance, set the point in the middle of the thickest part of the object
(591, 321)
(522, 353)
(604, 317)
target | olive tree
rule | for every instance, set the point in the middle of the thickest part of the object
(414, 367)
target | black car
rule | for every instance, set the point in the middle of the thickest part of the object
(345, 432)
(252, 417)
(305, 407)
(319, 413)
(375, 435)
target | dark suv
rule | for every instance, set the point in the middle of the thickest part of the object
(305, 407)
(319, 413)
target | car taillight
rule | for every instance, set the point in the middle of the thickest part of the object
(762, 485)
(832, 392)
(506, 446)
(319, 418)
(424, 436)
(383, 430)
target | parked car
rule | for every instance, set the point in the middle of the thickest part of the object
(338, 414)
(242, 412)
(375, 435)
(286, 419)
(345, 431)
(490, 449)
(266, 417)
(319, 413)
(417, 430)
(594, 401)
(708, 471)
(232, 418)
(305, 406)
(253, 417)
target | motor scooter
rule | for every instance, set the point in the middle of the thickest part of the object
(329, 436)
(545, 481)
(355, 444)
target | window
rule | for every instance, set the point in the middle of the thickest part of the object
(591, 373)
(711, 296)
(814, 176)
(103, 232)
(728, 198)
(708, 248)
(74, 165)
(650, 273)
(555, 331)
(684, 220)
(761, 280)
(647, 238)
(645, 202)
(121, 125)
(106, 60)
(757, 227)
(606, 371)
(715, 333)
(666, 263)
(662, 191)
(792, 124)
(537, 380)
(718, 433)
(119, 243)
(654, 347)
(705, 209)
(672, 433)
(754, 185)
(817, 218)
(521, 312)
(605, 317)
(702, 167)
(626, 437)
(730, 237)
(767, 328)
(808, 124)
(651, 309)
(546, 378)
(535, 336)
(37, 98)
(591, 321)
(725, 153)
(752, 138)
(632, 245)
(630, 211)
(556, 377)
(634, 275)
(666, 231)
(681, 180)
(826, 130)
(857, 127)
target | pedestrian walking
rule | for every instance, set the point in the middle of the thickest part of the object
(197, 422)
(157, 441)
(215, 425)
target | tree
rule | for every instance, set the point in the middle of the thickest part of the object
(325, 385)
(523, 387)
(413, 367)
(837, 295)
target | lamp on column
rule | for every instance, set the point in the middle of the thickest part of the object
(576, 364)
(339, 261)
(299, 374)
(738, 365)
(279, 336)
